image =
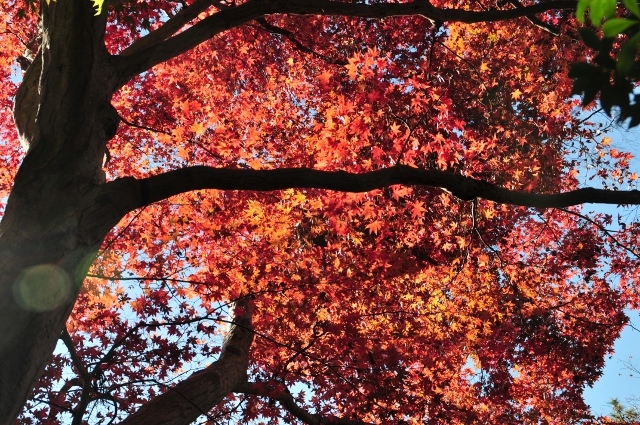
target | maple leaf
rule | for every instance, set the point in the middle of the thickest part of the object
(417, 210)
(374, 227)
(198, 128)
(352, 67)
(516, 94)
(325, 78)
(97, 4)
(400, 192)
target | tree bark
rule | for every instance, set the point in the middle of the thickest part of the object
(58, 211)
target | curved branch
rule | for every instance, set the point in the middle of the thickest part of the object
(286, 400)
(156, 188)
(159, 48)
(169, 28)
(84, 374)
(603, 230)
(206, 388)
(299, 45)
(537, 22)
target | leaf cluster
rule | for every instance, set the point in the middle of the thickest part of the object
(614, 69)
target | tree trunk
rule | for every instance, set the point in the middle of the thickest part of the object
(59, 209)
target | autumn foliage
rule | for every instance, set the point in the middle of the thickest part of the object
(404, 304)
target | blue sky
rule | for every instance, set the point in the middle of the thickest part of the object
(617, 380)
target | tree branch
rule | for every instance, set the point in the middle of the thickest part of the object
(286, 400)
(162, 186)
(206, 388)
(292, 38)
(169, 28)
(87, 378)
(537, 22)
(604, 230)
(160, 48)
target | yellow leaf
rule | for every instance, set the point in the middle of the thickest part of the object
(352, 68)
(97, 4)
(299, 198)
(256, 164)
(488, 212)
(198, 128)
(516, 94)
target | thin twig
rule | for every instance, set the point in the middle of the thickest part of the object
(603, 229)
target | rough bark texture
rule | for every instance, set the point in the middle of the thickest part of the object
(58, 213)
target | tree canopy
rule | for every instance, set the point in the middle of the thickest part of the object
(268, 211)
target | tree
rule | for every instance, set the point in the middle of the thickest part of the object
(394, 236)
(623, 414)
(614, 69)
(627, 412)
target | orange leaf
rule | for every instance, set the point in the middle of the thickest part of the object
(374, 227)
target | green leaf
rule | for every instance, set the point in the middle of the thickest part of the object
(627, 55)
(607, 99)
(581, 8)
(590, 38)
(600, 9)
(98, 5)
(632, 5)
(616, 26)
(586, 89)
(584, 70)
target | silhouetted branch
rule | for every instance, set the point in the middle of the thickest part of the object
(286, 400)
(157, 47)
(156, 188)
(87, 378)
(292, 38)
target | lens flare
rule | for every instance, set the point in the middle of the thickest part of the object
(42, 288)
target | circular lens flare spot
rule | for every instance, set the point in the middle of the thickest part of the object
(42, 288)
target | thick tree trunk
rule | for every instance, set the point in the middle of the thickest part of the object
(59, 211)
